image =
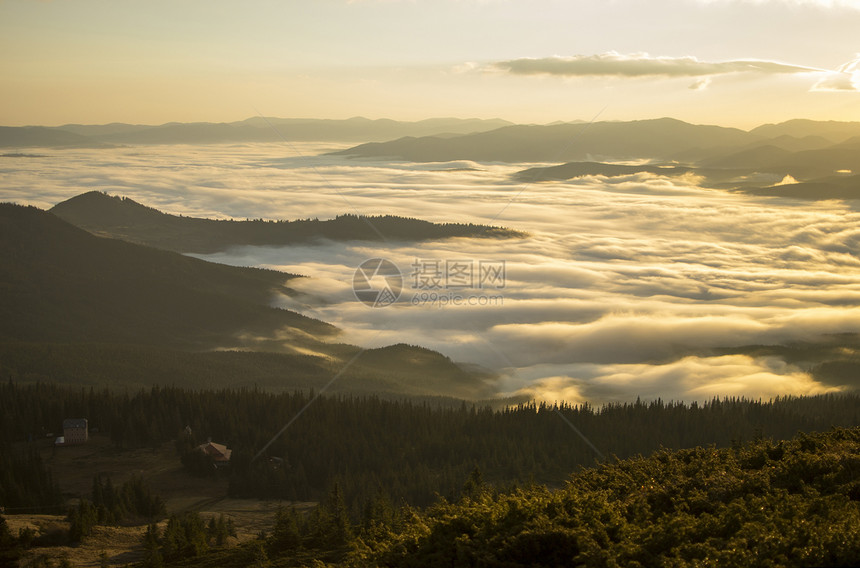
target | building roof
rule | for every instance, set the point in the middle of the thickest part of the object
(219, 452)
(75, 423)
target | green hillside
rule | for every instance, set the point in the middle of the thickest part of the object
(794, 503)
(791, 503)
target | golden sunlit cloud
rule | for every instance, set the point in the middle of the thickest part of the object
(628, 297)
(700, 84)
(690, 378)
(613, 64)
(845, 78)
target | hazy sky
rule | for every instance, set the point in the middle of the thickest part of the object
(729, 62)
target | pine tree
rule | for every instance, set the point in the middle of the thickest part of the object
(9, 546)
(337, 528)
(173, 542)
(286, 535)
(474, 486)
(6, 538)
(151, 550)
(82, 519)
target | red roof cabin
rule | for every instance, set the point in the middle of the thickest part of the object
(218, 452)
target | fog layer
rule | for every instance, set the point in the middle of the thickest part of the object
(626, 287)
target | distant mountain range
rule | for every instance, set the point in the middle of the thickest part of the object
(561, 142)
(256, 129)
(80, 308)
(797, 158)
(664, 139)
(448, 139)
(811, 167)
(122, 218)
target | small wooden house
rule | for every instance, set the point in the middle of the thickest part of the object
(75, 431)
(218, 452)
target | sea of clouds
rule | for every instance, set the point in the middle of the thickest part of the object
(624, 287)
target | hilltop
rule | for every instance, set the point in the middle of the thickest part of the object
(122, 218)
(64, 284)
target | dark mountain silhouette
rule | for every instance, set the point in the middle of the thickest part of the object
(96, 130)
(820, 173)
(64, 284)
(128, 220)
(749, 159)
(579, 169)
(832, 187)
(365, 129)
(190, 133)
(391, 371)
(804, 164)
(796, 144)
(698, 155)
(834, 131)
(853, 143)
(75, 306)
(818, 163)
(655, 139)
(40, 136)
(256, 129)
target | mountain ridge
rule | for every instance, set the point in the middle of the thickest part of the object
(767, 167)
(251, 130)
(364, 130)
(64, 287)
(123, 218)
(652, 138)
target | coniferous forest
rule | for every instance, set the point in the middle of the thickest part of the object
(412, 452)
(762, 503)
(404, 483)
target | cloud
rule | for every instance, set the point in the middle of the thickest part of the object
(700, 84)
(466, 67)
(787, 180)
(688, 379)
(624, 288)
(845, 78)
(613, 64)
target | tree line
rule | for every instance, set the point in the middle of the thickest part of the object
(414, 451)
(761, 503)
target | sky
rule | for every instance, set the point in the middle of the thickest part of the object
(729, 62)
